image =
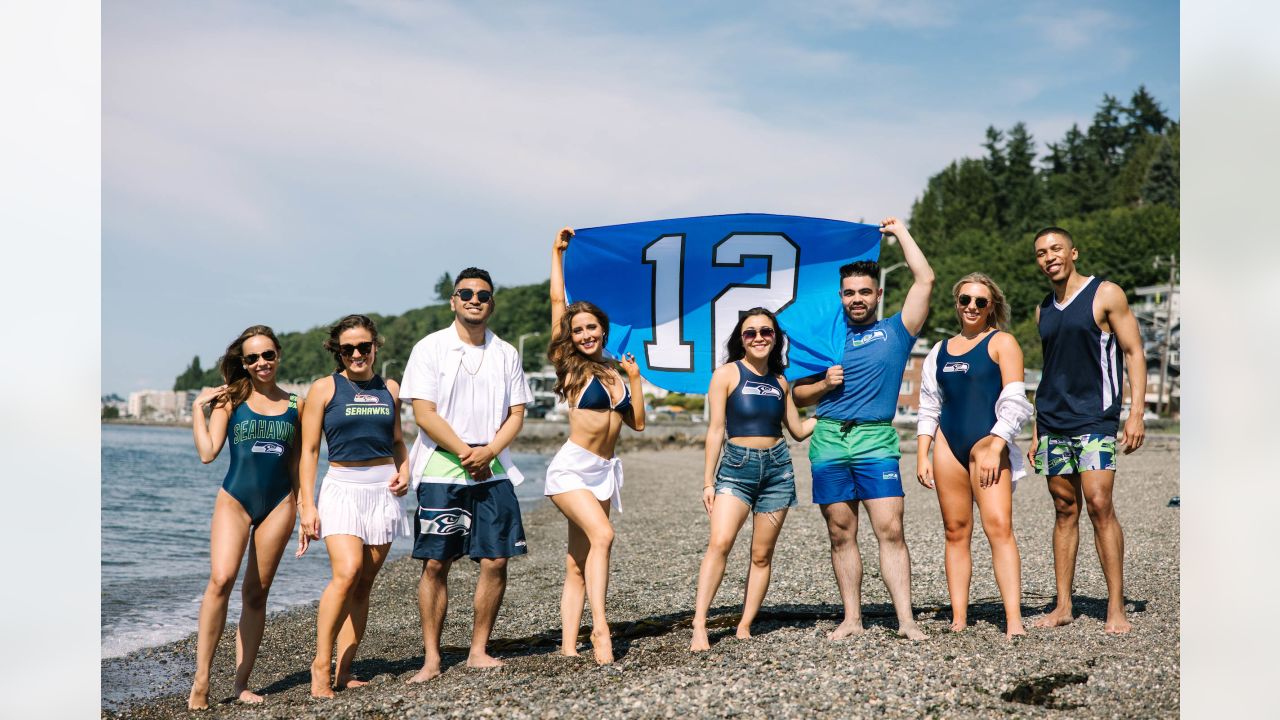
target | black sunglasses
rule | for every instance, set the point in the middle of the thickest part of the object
(750, 333)
(348, 350)
(963, 301)
(465, 294)
(268, 355)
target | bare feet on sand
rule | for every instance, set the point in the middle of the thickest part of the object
(1014, 631)
(428, 671)
(911, 631)
(483, 661)
(1117, 624)
(346, 682)
(199, 697)
(320, 681)
(569, 650)
(744, 633)
(602, 645)
(958, 625)
(846, 629)
(700, 641)
(1058, 617)
(249, 698)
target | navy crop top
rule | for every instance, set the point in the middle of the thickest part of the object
(360, 420)
(595, 397)
(755, 407)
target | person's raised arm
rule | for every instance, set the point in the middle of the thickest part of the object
(1125, 327)
(799, 429)
(916, 307)
(717, 394)
(558, 297)
(212, 434)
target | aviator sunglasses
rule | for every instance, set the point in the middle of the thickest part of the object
(750, 333)
(465, 294)
(348, 350)
(268, 355)
(980, 302)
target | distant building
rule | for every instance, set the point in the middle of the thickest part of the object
(160, 405)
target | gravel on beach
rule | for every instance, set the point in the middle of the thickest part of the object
(789, 668)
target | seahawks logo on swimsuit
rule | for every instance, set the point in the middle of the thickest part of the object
(868, 337)
(961, 367)
(363, 398)
(447, 521)
(758, 388)
(265, 446)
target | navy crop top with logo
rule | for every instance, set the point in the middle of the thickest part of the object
(755, 407)
(360, 420)
(595, 397)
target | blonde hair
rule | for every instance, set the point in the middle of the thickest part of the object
(999, 315)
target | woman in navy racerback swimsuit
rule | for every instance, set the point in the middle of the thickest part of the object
(585, 478)
(972, 405)
(255, 507)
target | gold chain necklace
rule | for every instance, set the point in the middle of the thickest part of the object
(462, 362)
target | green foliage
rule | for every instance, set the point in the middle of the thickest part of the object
(444, 286)
(1113, 185)
(692, 403)
(110, 412)
(191, 378)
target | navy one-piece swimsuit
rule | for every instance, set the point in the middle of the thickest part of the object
(970, 384)
(261, 448)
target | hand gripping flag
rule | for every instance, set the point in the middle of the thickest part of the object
(674, 289)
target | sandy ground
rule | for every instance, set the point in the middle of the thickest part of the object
(788, 669)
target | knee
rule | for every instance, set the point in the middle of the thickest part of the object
(842, 536)
(254, 598)
(602, 537)
(720, 546)
(1100, 508)
(761, 557)
(221, 583)
(435, 571)
(346, 575)
(1067, 511)
(998, 529)
(958, 531)
(494, 566)
(572, 569)
(890, 533)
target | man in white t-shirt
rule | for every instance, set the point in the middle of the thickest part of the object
(468, 392)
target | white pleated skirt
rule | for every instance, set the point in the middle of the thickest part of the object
(576, 468)
(358, 501)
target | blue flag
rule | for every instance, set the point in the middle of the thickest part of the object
(673, 289)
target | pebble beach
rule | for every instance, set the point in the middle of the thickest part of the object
(788, 669)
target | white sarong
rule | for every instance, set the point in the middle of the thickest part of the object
(576, 468)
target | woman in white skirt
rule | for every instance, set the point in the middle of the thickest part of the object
(358, 513)
(585, 478)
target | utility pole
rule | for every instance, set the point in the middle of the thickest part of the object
(1161, 404)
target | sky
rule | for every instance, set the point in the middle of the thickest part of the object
(287, 163)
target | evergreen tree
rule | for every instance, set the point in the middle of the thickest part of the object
(191, 378)
(1162, 184)
(444, 286)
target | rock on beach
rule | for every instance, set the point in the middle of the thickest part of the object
(789, 668)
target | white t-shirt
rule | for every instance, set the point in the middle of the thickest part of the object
(473, 389)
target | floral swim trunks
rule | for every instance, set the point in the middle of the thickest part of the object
(1071, 454)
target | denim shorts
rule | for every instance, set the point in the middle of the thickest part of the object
(763, 479)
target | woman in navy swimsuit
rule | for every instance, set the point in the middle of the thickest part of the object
(585, 478)
(973, 403)
(747, 404)
(255, 507)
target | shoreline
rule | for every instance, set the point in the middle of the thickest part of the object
(789, 665)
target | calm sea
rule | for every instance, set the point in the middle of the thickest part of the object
(157, 501)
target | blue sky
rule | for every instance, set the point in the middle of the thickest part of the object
(287, 163)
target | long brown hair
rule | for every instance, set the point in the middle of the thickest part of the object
(999, 316)
(231, 365)
(572, 367)
(737, 350)
(347, 323)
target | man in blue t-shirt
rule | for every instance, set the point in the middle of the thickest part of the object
(854, 449)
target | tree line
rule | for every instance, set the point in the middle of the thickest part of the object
(1114, 185)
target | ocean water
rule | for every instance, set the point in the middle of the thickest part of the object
(157, 502)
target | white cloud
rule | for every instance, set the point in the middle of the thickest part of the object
(1073, 28)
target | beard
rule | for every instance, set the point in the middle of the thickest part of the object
(472, 321)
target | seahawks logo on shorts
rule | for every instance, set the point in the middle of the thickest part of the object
(868, 337)
(266, 446)
(444, 521)
(759, 388)
(364, 398)
(890, 475)
(961, 367)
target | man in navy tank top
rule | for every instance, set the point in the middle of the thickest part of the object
(1088, 333)
(854, 450)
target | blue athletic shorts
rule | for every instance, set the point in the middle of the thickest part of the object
(763, 479)
(481, 521)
